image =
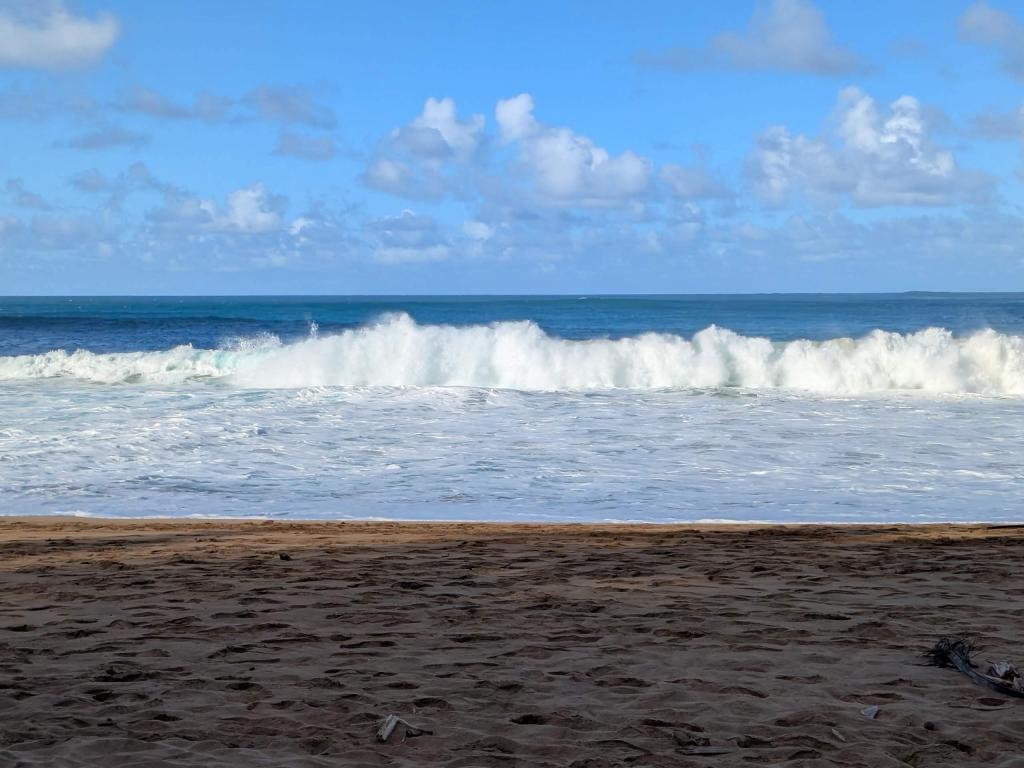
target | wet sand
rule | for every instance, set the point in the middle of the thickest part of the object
(185, 643)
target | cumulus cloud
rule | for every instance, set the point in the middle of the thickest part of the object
(982, 24)
(874, 157)
(515, 117)
(398, 178)
(477, 230)
(418, 160)
(788, 35)
(406, 238)
(251, 210)
(525, 165)
(45, 35)
(566, 168)
(322, 231)
(248, 228)
(306, 147)
(439, 131)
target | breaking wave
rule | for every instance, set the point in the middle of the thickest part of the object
(396, 352)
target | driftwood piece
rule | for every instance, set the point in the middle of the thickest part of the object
(388, 727)
(393, 721)
(1003, 677)
(412, 731)
(1004, 670)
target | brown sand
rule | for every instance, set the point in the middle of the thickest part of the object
(153, 643)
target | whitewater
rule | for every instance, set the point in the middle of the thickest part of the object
(857, 409)
(398, 352)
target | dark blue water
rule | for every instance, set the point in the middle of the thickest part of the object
(103, 324)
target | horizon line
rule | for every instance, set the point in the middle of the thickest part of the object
(578, 295)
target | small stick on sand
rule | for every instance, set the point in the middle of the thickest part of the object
(957, 653)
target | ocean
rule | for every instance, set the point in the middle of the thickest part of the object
(776, 408)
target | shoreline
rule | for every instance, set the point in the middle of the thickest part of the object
(705, 523)
(220, 642)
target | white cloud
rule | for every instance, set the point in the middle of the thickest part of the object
(477, 230)
(982, 24)
(438, 153)
(392, 176)
(566, 168)
(515, 117)
(407, 238)
(251, 210)
(48, 36)
(460, 137)
(790, 35)
(875, 158)
(421, 159)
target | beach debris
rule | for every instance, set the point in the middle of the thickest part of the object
(387, 728)
(1002, 676)
(838, 735)
(284, 556)
(1004, 670)
(871, 712)
(391, 722)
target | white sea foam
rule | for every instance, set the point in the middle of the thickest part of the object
(69, 445)
(519, 355)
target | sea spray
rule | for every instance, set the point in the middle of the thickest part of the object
(398, 352)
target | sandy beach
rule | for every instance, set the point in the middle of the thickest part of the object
(187, 643)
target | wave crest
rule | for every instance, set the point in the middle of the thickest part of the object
(518, 355)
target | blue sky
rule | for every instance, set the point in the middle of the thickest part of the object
(462, 147)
